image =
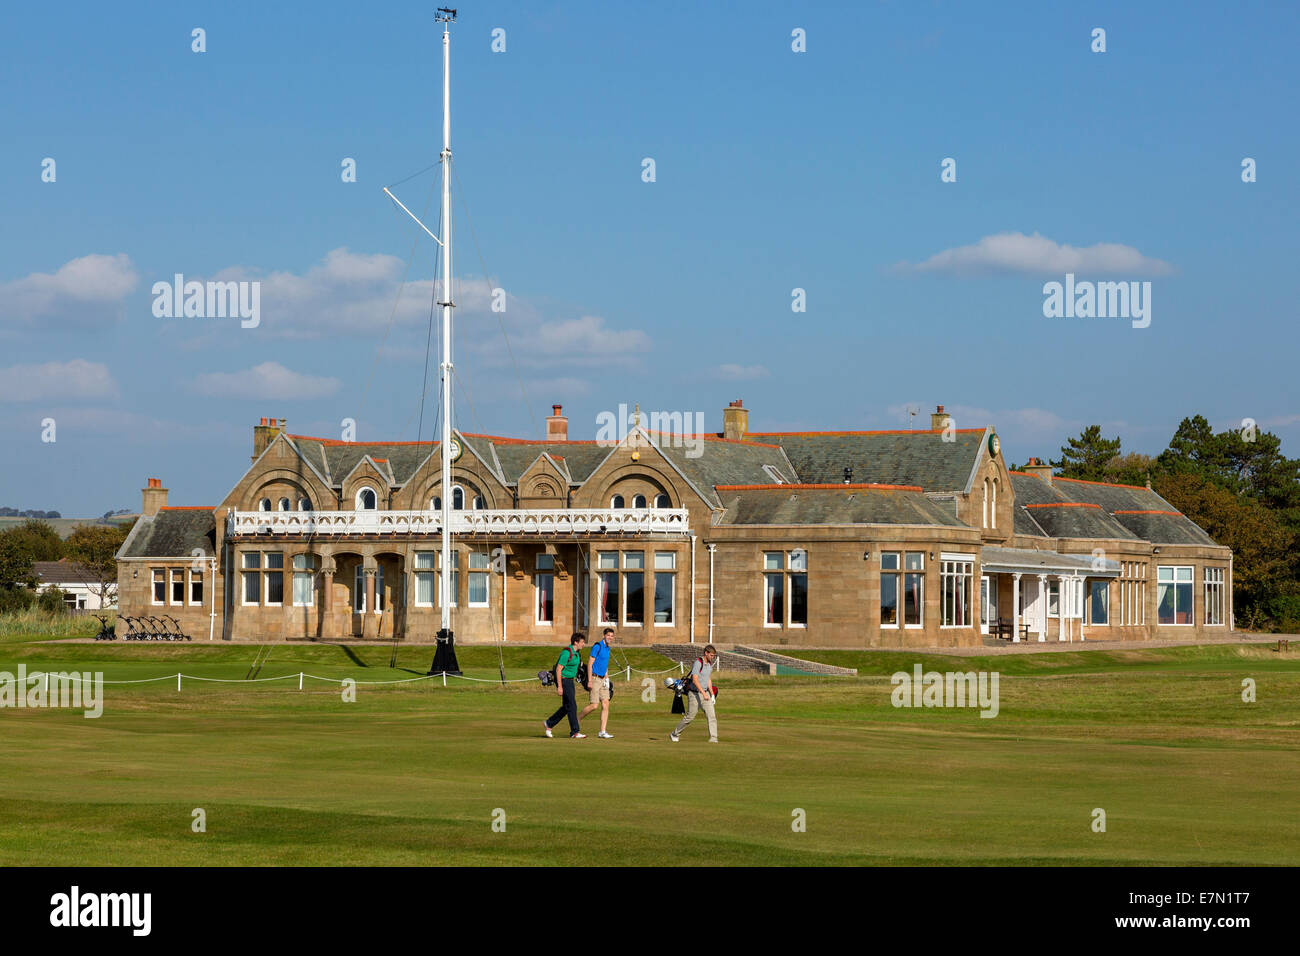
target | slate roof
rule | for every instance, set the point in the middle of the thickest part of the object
(1077, 520)
(58, 572)
(722, 462)
(993, 557)
(896, 457)
(1024, 523)
(844, 505)
(172, 533)
(1143, 512)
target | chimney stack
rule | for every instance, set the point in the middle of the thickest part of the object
(1039, 470)
(939, 419)
(153, 497)
(557, 425)
(264, 433)
(735, 420)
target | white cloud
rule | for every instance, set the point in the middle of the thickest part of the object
(741, 373)
(82, 292)
(349, 293)
(1014, 253)
(63, 381)
(268, 380)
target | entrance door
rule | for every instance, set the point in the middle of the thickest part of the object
(988, 603)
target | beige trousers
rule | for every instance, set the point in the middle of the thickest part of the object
(695, 700)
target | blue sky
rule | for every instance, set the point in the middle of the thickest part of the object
(775, 170)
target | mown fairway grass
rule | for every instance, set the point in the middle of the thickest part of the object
(411, 774)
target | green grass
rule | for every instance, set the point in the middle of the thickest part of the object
(411, 774)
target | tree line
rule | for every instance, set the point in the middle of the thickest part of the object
(91, 551)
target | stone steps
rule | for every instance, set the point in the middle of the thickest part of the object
(728, 661)
(796, 663)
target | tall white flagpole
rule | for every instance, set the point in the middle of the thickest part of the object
(446, 596)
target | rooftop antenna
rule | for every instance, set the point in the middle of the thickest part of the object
(911, 413)
(444, 659)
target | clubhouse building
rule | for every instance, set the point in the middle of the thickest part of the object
(849, 539)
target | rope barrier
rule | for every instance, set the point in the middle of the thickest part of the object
(302, 675)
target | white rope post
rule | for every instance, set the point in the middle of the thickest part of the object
(47, 683)
(178, 682)
(681, 667)
(300, 680)
(629, 672)
(444, 678)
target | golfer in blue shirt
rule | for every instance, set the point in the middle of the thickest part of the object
(598, 680)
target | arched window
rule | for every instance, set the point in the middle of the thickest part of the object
(264, 504)
(993, 506)
(986, 503)
(458, 498)
(616, 502)
(284, 504)
(480, 503)
(661, 501)
(436, 503)
(638, 501)
(367, 500)
(304, 504)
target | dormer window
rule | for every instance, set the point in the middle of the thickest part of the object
(367, 500)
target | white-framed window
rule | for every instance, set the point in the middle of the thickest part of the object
(479, 565)
(1054, 598)
(177, 594)
(1214, 596)
(457, 498)
(252, 575)
(1098, 602)
(480, 503)
(913, 589)
(285, 505)
(776, 476)
(634, 587)
(993, 506)
(956, 579)
(638, 501)
(426, 576)
(665, 588)
(616, 501)
(987, 485)
(1174, 596)
(159, 586)
(273, 578)
(367, 500)
(890, 587)
(663, 501)
(785, 588)
(544, 588)
(607, 579)
(304, 580)
(264, 504)
(435, 503)
(304, 504)
(196, 588)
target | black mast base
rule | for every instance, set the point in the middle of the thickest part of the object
(444, 658)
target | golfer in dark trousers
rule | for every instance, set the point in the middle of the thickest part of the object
(566, 671)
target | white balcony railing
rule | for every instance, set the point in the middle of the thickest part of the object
(525, 521)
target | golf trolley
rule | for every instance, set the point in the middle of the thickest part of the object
(106, 631)
(149, 628)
